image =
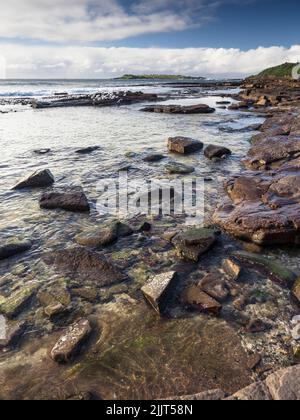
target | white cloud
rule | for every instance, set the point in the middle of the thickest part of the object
(94, 62)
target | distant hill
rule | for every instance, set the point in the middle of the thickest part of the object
(284, 70)
(158, 76)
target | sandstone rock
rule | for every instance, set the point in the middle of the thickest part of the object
(184, 145)
(85, 265)
(179, 168)
(13, 247)
(178, 109)
(54, 310)
(213, 151)
(194, 242)
(69, 201)
(296, 289)
(232, 268)
(104, 236)
(255, 392)
(13, 333)
(71, 341)
(214, 285)
(195, 298)
(87, 293)
(38, 179)
(284, 385)
(213, 395)
(159, 290)
(296, 332)
(15, 303)
(42, 151)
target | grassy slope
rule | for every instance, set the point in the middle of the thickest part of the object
(284, 70)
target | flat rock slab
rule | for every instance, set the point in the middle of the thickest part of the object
(195, 298)
(38, 179)
(87, 150)
(284, 385)
(214, 284)
(13, 333)
(193, 243)
(15, 303)
(159, 290)
(104, 236)
(179, 169)
(254, 392)
(11, 248)
(184, 145)
(213, 395)
(177, 109)
(71, 341)
(69, 201)
(219, 152)
(85, 265)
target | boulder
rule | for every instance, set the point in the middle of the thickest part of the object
(194, 242)
(38, 179)
(195, 298)
(179, 168)
(71, 341)
(69, 201)
(178, 109)
(159, 290)
(284, 385)
(184, 145)
(13, 247)
(213, 152)
(104, 236)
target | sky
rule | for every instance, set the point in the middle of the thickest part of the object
(108, 38)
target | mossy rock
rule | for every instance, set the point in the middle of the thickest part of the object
(296, 289)
(15, 303)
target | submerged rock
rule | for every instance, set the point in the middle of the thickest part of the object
(195, 298)
(184, 145)
(213, 151)
(13, 333)
(71, 341)
(104, 236)
(232, 268)
(69, 201)
(87, 150)
(178, 109)
(14, 247)
(159, 290)
(179, 168)
(16, 302)
(296, 290)
(214, 284)
(284, 385)
(38, 179)
(155, 157)
(194, 242)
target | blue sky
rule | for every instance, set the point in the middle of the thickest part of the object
(104, 38)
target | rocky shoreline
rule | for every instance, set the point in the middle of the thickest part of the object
(152, 289)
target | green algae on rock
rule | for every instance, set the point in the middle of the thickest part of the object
(14, 304)
(194, 242)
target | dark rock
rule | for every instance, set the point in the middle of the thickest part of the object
(184, 145)
(213, 151)
(38, 179)
(153, 158)
(214, 285)
(223, 102)
(159, 290)
(71, 341)
(87, 150)
(257, 326)
(13, 247)
(179, 168)
(194, 242)
(104, 236)
(145, 227)
(178, 109)
(69, 201)
(195, 298)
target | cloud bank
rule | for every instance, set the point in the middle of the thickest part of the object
(95, 62)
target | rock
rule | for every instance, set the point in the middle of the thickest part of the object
(71, 341)
(223, 102)
(13, 333)
(87, 150)
(179, 168)
(87, 293)
(145, 227)
(194, 242)
(273, 268)
(296, 290)
(214, 285)
(284, 385)
(54, 310)
(195, 298)
(153, 158)
(239, 105)
(104, 236)
(54, 295)
(184, 145)
(296, 332)
(42, 151)
(254, 361)
(178, 109)
(255, 392)
(213, 151)
(16, 302)
(159, 290)
(85, 265)
(14, 247)
(257, 326)
(38, 179)
(69, 201)
(296, 320)
(232, 268)
(213, 395)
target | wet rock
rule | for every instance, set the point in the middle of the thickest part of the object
(296, 332)
(155, 157)
(257, 326)
(159, 290)
(87, 266)
(254, 361)
(145, 227)
(219, 152)
(86, 293)
(69, 201)
(232, 268)
(104, 236)
(296, 289)
(54, 310)
(16, 302)
(272, 267)
(54, 295)
(13, 334)
(178, 109)
(71, 341)
(255, 392)
(83, 396)
(239, 105)
(14, 247)
(179, 168)
(193, 243)
(214, 285)
(87, 150)
(38, 179)
(42, 151)
(223, 102)
(213, 395)
(195, 298)
(184, 145)
(284, 385)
